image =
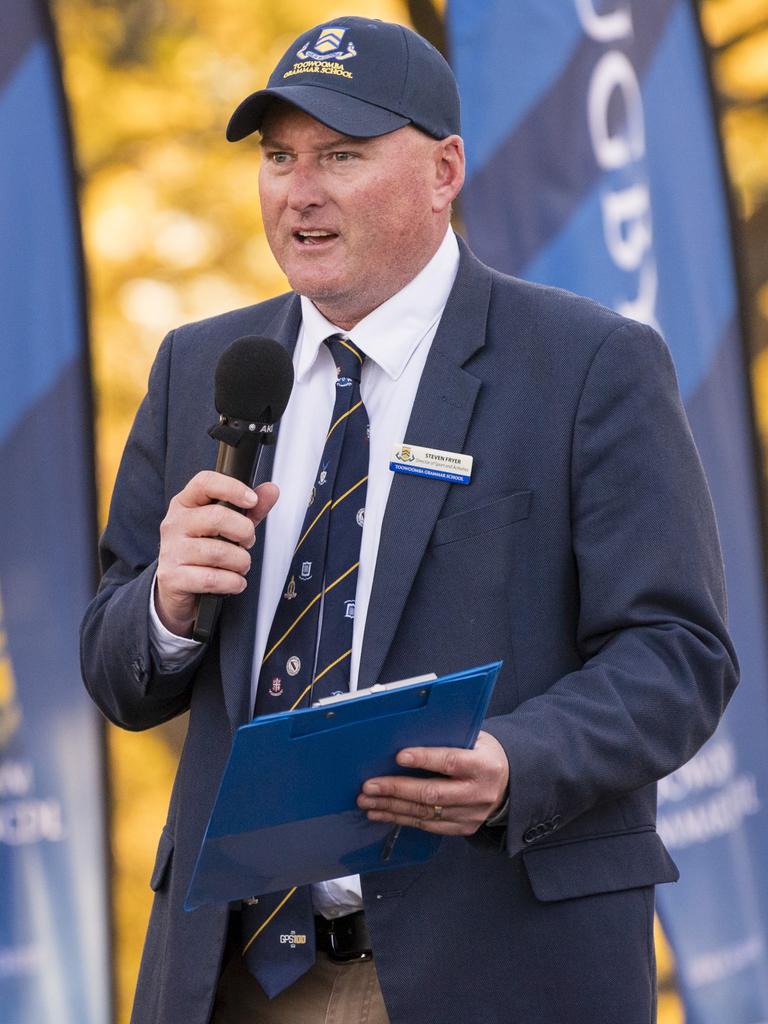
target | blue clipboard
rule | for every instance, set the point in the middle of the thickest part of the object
(285, 813)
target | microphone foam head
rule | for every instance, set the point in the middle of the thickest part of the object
(253, 380)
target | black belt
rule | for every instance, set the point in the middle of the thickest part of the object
(343, 938)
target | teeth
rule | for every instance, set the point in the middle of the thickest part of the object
(315, 234)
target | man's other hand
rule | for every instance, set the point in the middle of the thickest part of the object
(204, 546)
(470, 786)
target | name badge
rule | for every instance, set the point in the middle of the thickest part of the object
(431, 462)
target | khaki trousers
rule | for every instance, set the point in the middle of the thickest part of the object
(328, 993)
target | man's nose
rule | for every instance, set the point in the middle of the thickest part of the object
(305, 188)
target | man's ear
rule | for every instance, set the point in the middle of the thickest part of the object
(449, 172)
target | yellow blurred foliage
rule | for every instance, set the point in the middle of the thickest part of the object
(670, 1005)
(743, 69)
(10, 713)
(724, 19)
(760, 382)
(745, 134)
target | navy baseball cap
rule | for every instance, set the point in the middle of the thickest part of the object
(359, 77)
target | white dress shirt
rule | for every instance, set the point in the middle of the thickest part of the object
(395, 338)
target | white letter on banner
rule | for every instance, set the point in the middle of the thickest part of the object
(614, 71)
(25, 822)
(627, 225)
(643, 307)
(604, 28)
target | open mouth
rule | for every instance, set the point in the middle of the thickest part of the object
(313, 237)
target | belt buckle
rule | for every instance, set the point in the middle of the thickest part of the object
(339, 956)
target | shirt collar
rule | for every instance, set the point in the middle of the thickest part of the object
(392, 332)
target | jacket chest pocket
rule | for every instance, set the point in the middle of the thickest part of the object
(482, 519)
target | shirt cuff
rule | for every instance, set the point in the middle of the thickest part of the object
(500, 816)
(171, 652)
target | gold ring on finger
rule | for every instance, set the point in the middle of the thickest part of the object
(437, 812)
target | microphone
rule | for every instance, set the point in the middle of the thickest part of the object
(252, 385)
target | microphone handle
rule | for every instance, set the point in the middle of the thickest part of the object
(239, 462)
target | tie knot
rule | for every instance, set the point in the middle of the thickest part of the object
(347, 356)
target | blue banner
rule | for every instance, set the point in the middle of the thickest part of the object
(54, 948)
(594, 165)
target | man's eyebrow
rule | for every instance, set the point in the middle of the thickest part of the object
(272, 142)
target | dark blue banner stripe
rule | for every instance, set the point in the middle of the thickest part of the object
(481, 45)
(511, 243)
(19, 29)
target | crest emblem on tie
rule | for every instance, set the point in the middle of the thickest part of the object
(360, 517)
(276, 689)
(323, 475)
(290, 591)
(312, 496)
(349, 609)
(327, 46)
(306, 571)
(293, 665)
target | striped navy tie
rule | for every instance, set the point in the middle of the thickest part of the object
(310, 644)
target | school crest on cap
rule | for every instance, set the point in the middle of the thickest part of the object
(328, 46)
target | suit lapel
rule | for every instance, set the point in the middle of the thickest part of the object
(442, 412)
(238, 619)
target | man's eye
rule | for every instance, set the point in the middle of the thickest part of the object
(278, 158)
(342, 156)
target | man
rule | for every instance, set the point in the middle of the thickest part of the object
(582, 552)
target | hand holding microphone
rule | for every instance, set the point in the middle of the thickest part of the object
(210, 524)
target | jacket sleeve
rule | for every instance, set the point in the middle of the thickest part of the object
(658, 667)
(116, 658)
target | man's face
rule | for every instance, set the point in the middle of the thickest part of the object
(349, 220)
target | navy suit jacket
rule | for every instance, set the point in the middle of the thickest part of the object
(584, 554)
